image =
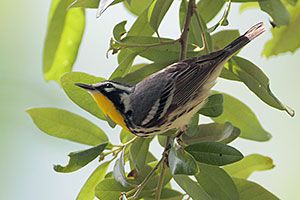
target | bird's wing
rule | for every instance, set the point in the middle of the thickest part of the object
(193, 77)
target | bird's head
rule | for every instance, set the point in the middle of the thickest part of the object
(112, 98)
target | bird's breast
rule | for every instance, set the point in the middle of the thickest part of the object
(109, 109)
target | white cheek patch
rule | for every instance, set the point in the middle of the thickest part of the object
(126, 102)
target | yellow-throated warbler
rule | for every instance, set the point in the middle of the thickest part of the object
(168, 98)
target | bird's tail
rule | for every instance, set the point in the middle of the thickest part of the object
(244, 39)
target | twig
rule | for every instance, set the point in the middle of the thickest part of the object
(137, 190)
(163, 169)
(185, 32)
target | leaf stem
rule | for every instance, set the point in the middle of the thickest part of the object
(203, 36)
(125, 45)
(185, 32)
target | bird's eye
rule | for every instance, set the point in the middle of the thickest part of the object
(108, 85)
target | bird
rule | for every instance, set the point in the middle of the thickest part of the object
(169, 98)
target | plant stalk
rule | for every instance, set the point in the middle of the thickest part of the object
(185, 32)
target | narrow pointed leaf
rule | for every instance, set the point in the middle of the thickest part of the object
(214, 153)
(213, 132)
(87, 192)
(250, 190)
(64, 34)
(80, 159)
(66, 125)
(80, 96)
(276, 10)
(124, 67)
(192, 188)
(255, 79)
(245, 167)
(181, 162)
(157, 11)
(242, 116)
(217, 183)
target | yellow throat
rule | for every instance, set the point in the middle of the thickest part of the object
(109, 108)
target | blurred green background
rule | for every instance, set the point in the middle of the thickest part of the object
(27, 155)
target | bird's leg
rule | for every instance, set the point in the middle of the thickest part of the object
(181, 131)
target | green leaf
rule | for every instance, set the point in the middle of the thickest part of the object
(254, 78)
(285, 38)
(242, 116)
(157, 11)
(137, 75)
(137, 7)
(181, 162)
(192, 188)
(192, 127)
(85, 4)
(87, 192)
(213, 107)
(104, 4)
(217, 183)
(138, 152)
(142, 174)
(223, 21)
(109, 189)
(276, 10)
(64, 124)
(80, 159)
(140, 27)
(160, 50)
(124, 67)
(64, 34)
(248, 5)
(79, 96)
(213, 132)
(166, 194)
(119, 30)
(250, 190)
(245, 167)
(223, 38)
(125, 136)
(119, 171)
(214, 153)
(209, 9)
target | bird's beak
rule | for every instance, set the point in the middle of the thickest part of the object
(85, 86)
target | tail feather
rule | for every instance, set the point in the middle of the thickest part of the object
(244, 39)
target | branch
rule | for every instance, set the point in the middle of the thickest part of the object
(163, 169)
(185, 32)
